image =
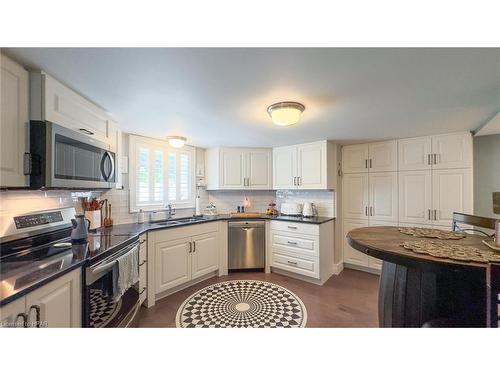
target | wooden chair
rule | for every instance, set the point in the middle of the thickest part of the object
(493, 285)
(476, 221)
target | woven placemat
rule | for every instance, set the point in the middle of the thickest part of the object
(432, 233)
(453, 251)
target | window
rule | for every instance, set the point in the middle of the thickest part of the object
(160, 175)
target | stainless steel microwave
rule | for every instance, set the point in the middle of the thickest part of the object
(61, 158)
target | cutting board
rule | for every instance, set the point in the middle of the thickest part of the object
(246, 215)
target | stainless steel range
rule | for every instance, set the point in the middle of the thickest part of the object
(36, 248)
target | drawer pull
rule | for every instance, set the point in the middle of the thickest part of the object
(292, 227)
(292, 263)
(292, 243)
(140, 243)
(86, 131)
(142, 291)
(142, 264)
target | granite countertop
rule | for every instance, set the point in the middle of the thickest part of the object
(20, 276)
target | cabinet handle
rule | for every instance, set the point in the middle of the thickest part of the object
(140, 243)
(435, 158)
(429, 213)
(299, 181)
(292, 243)
(86, 131)
(293, 263)
(295, 181)
(142, 264)
(366, 163)
(428, 159)
(194, 246)
(435, 214)
(291, 227)
(190, 247)
(37, 309)
(371, 210)
(370, 163)
(25, 320)
(366, 210)
(142, 291)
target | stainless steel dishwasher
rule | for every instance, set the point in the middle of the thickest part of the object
(247, 244)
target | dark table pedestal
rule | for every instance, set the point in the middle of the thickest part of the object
(410, 297)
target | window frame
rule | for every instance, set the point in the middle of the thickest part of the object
(135, 142)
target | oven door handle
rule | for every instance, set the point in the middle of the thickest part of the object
(110, 262)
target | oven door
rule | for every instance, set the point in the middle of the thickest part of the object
(79, 161)
(101, 309)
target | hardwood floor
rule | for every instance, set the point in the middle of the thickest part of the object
(346, 300)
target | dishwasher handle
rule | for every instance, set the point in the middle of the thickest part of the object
(247, 224)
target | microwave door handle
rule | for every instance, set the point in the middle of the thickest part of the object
(107, 176)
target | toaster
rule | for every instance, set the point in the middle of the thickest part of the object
(294, 209)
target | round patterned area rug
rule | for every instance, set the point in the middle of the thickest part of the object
(241, 304)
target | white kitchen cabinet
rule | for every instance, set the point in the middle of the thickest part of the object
(452, 151)
(415, 154)
(383, 156)
(355, 201)
(451, 192)
(415, 196)
(352, 256)
(173, 263)
(306, 166)
(284, 167)
(13, 315)
(373, 157)
(383, 196)
(238, 169)
(57, 304)
(205, 254)
(13, 123)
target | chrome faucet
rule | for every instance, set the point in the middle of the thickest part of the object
(171, 211)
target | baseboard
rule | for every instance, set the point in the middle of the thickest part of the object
(296, 276)
(362, 268)
(338, 268)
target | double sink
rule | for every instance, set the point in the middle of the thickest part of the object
(174, 222)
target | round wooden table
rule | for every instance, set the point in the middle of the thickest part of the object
(416, 289)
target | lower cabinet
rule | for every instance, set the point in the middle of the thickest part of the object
(56, 304)
(181, 260)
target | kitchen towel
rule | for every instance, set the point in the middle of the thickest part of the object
(125, 272)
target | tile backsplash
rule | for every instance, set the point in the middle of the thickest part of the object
(323, 200)
(227, 201)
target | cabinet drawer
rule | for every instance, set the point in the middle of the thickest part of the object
(290, 263)
(304, 245)
(301, 228)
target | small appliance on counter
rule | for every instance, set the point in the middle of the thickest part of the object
(309, 210)
(211, 210)
(291, 209)
(80, 228)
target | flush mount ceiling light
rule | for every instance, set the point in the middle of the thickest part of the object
(285, 113)
(176, 141)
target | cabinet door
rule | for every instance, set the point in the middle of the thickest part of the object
(285, 167)
(355, 158)
(311, 166)
(259, 169)
(59, 302)
(383, 156)
(383, 196)
(415, 197)
(13, 122)
(173, 263)
(67, 108)
(351, 255)
(355, 196)
(9, 314)
(452, 150)
(232, 168)
(414, 154)
(205, 255)
(451, 192)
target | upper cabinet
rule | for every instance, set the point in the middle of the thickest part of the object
(436, 152)
(13, 123)
(52, 101)
(370, 157)
(305, 166)
(238, 168)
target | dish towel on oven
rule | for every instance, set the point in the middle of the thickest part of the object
(125, 272)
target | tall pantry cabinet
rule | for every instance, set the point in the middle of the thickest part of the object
(408, 182)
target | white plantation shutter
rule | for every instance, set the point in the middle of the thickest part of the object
(160, 175)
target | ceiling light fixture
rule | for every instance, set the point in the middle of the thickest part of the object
(285, 113)
(176, 141)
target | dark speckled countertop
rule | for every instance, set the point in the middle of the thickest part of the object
(21, 277)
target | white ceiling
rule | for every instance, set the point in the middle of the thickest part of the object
(218, 96)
